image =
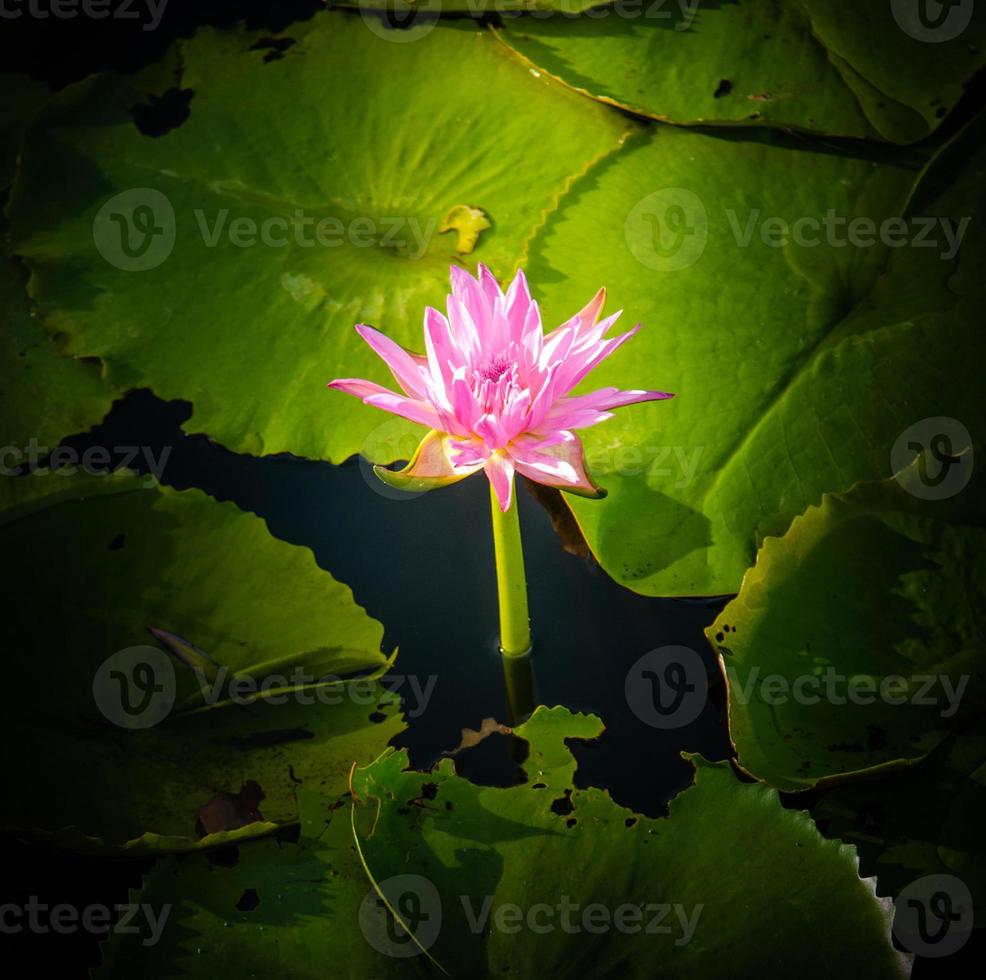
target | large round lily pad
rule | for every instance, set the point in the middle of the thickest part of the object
(226, 261)
(800, 347)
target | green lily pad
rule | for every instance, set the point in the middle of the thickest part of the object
(283, 909)
(161, 255)
(855, 640)
(543, 878)
(798, 359)
(136, 743)
(794, 64)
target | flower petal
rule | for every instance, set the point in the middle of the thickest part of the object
(407, 408)
(490, 429)
(370, 393)
(586, 318)
(360, 388)
(491, 287)
(431, 467)
(405, 366)
(555, 463)
(470, 312)
(500, 471)
(516, 304)
(580, 411)
(580, 363)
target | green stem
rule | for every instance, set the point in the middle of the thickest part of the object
(511, 580)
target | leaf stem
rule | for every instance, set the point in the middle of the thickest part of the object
(511, 580)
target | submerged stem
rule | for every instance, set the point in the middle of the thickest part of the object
(511, 580)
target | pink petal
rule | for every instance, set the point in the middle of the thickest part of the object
(516, 305)
(516, 414)
(407, 408)
(469, 298)
(412, 409)
(359, 387)
(490, 429)
(557, 346)
(578, 365)
(443, 356)
(581, 411)
(590, 336)
(586, 317)
(532, 340)
(494, 295)
(467, 452)
(465, 330)
(464, 404)
(556, 461)
(405, 366)
(500, 471)
(589, 314)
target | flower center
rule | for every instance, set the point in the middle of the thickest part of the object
(495, 368)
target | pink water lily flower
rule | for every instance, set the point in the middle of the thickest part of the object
(494, 389)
